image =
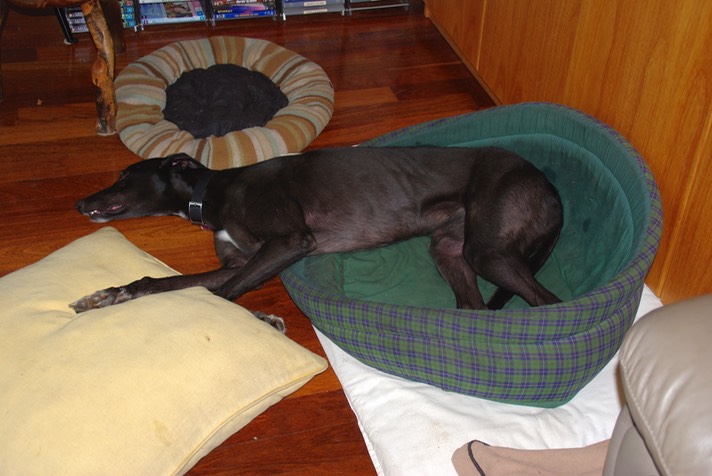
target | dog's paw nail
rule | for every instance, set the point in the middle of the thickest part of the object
(79, 306)
(278, 323)
(82, 305)
(272, 320)
(99, 299)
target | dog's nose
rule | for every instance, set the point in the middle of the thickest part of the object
(79, 206)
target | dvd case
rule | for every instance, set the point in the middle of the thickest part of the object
(162, 12)
(77, 24)
(308, 7)
(234, 9)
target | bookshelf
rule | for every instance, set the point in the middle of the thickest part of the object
(137, 14)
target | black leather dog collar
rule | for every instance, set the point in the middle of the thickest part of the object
(195, 206)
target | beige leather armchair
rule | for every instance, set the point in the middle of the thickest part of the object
(666, 371)
(665, 427)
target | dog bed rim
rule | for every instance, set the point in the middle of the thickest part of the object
(618, 288)
(140, 90)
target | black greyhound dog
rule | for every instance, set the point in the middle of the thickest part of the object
(489, 212)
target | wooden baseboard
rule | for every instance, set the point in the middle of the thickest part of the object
(466, 61)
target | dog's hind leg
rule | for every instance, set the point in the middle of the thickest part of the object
(512, 273)
(510, 260)
(502, 295)
(512, 224)
(446, 250)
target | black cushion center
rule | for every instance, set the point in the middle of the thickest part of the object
(221, 99)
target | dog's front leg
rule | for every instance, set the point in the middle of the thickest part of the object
(147, 285)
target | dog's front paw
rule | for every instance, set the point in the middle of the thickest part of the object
(272, 320)
(103, 298)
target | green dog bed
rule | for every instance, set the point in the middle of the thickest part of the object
(390, 308)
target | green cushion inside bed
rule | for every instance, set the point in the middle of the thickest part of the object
(596, 241)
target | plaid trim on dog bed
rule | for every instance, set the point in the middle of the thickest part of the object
(535, 356)
(141, 97)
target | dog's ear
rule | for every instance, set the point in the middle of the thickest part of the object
(180, 161)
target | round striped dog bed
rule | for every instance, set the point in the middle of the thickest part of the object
(141, 98)
(390, 308)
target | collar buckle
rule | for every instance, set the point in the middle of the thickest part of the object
(195, 212)
(195, 205)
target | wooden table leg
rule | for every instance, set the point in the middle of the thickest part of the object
(103, 69)
(112, 14)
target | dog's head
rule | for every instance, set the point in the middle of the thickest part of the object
(152, 187)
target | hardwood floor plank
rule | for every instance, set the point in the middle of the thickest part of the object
(364, 97)
(38, 131)
(293, 444)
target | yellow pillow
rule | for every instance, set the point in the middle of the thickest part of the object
(145, 387)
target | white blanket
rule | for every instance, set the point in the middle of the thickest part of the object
(413, 429)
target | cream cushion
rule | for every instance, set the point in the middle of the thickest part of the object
(146, 387)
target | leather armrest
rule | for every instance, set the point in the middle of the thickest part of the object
(666, 369)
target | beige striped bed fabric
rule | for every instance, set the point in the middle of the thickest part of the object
(141, 97)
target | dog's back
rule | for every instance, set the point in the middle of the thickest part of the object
(361, 197)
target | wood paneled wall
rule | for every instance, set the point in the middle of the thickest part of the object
(642, 66)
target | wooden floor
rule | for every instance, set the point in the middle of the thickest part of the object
(390, 69)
